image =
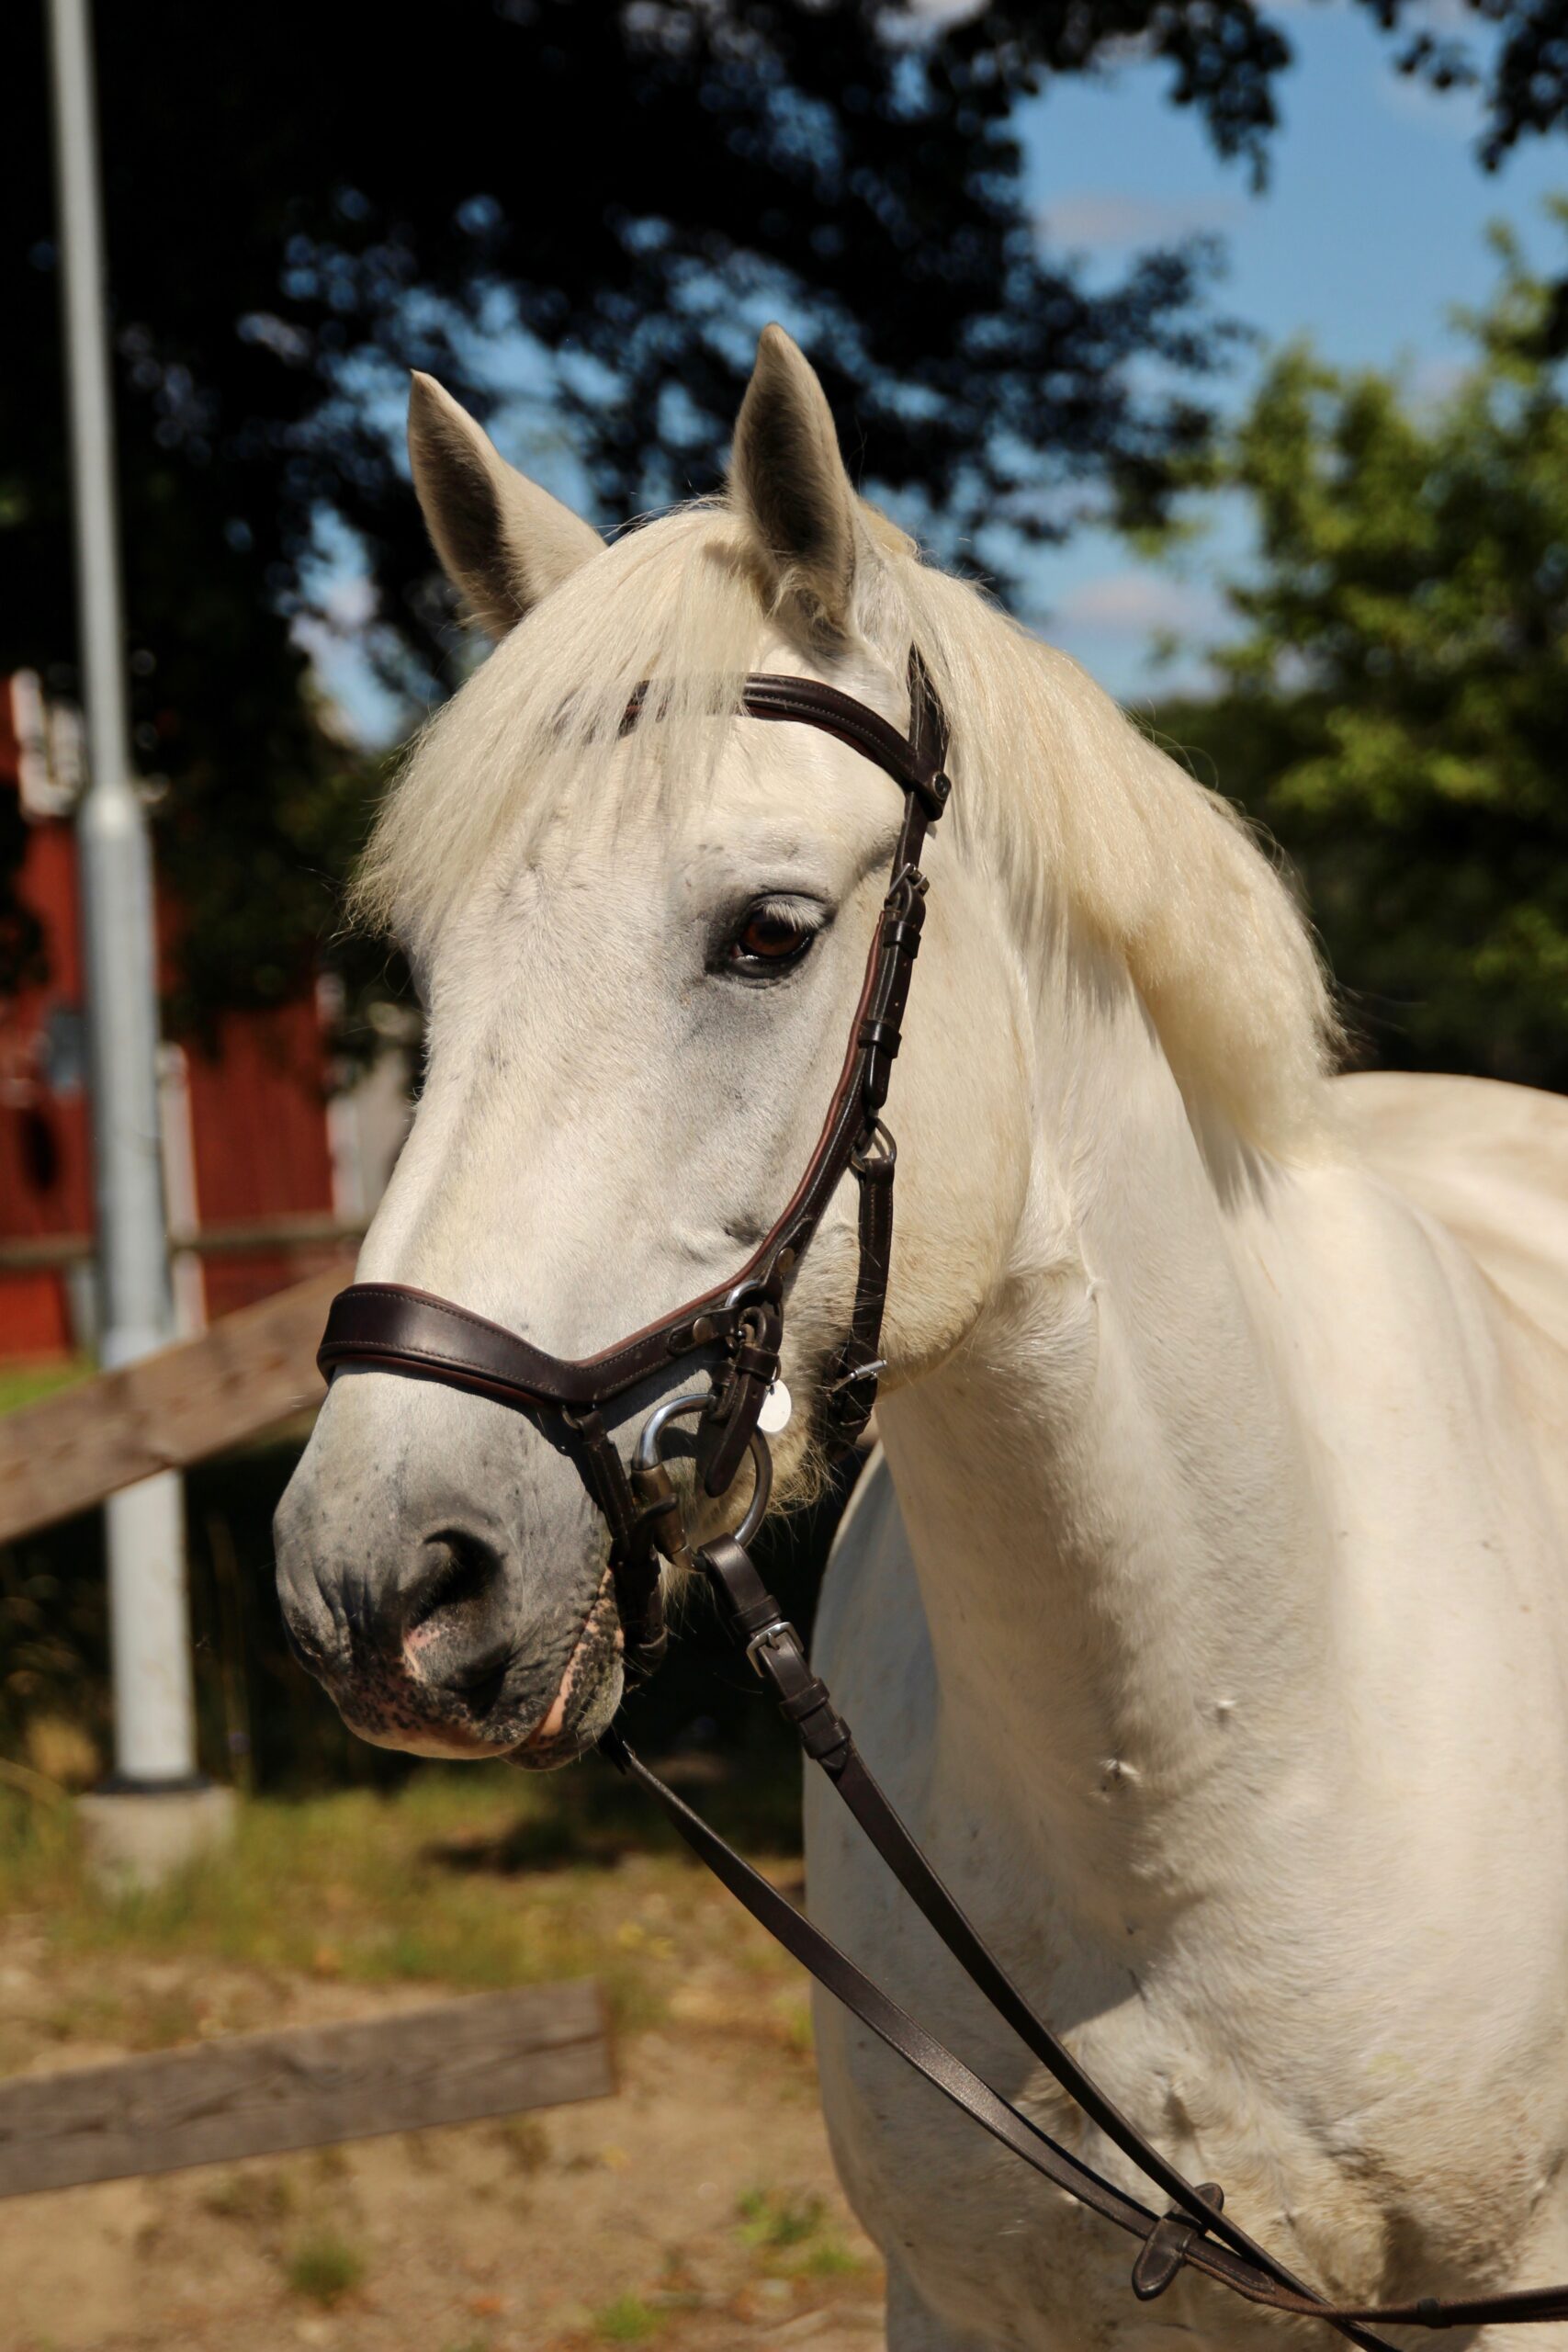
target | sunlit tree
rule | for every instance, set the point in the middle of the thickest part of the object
(1394, 698)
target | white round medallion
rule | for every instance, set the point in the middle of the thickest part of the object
(777, 1407)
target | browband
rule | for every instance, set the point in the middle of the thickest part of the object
(914, 761)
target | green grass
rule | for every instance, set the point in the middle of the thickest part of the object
(770, 2221)
(628, 2319)
(832, 2259)
(419, 1886)
(324, 2268)
(354, 1885)
(24, 1384)
(253, 2198)
(792, 2236)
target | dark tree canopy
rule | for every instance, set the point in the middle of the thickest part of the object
(302, 204)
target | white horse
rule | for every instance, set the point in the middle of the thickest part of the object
(1206, 1612)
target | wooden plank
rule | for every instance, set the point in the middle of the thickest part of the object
(253, 1368)
(258, 2094)
(240, 1238)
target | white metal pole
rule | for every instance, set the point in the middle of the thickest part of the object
(155, 1715)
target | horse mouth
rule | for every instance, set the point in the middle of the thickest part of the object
(589, 1695)
(387, 1702)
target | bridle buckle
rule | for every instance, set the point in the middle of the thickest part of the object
(768, 1637)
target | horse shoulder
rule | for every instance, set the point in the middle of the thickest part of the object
(1486, 1160)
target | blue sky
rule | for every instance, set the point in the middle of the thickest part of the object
(1371, 230)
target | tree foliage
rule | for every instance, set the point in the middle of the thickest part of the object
(585, 210)
(576, 213)
(1395, 702)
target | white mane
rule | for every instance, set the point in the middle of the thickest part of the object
(1054, 789)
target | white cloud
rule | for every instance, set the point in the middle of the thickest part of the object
(1135, 604)
(1436, 377)
(1101, 220)
(940, 13)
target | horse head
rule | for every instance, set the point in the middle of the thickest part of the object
(638, 950)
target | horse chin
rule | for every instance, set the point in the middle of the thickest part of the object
(584, 1706)
(388, 1703)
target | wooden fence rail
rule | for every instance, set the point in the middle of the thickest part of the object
(254, 2094)
(252, 1370)
(250, 1236)
(258, 2094)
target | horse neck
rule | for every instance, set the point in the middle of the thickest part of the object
(1123, 1565)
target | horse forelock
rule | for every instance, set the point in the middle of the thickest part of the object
(1076, 814)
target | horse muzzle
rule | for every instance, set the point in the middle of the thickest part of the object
(446, 1647)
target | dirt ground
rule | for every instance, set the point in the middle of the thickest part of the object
(696, 2208)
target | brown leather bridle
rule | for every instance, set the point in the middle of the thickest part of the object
(733, 1332)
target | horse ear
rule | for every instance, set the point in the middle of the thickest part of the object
(502, 541)
(788, 480)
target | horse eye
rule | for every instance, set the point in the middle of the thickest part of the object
(771, 936)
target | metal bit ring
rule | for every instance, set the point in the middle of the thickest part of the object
(649, 1450)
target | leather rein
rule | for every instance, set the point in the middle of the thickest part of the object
(733, 1333)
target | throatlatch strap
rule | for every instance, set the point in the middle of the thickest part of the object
(849, 1389)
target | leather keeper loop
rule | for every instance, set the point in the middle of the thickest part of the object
(1165, 2249)
(819, 1728)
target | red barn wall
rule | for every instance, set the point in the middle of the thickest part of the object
(259, 1139)
(259, 1128)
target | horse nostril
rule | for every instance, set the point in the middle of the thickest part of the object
(455, 1590)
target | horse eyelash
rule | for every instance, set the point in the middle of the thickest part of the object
(812, 919)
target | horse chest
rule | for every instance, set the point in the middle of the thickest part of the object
(995, 2259)
(996, 2255)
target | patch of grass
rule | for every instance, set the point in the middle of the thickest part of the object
(324, 2268)
(167, 2019)
(95, 2016)
(793, 2013)
(526, 2140)
(791, 2235)
(832, 2259)
(376, 1888)
(628, 2319)
(255, 2197)
(398, 1912)
(24, 1384)
(770, 2221)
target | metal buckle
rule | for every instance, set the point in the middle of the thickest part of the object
(768, 1638)
(875, 1150)
(860, 1371)
(907, 885)
(755, 1292)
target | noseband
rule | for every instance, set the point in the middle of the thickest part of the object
(733, 1333)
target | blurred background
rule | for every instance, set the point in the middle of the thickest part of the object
(1224, 340)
